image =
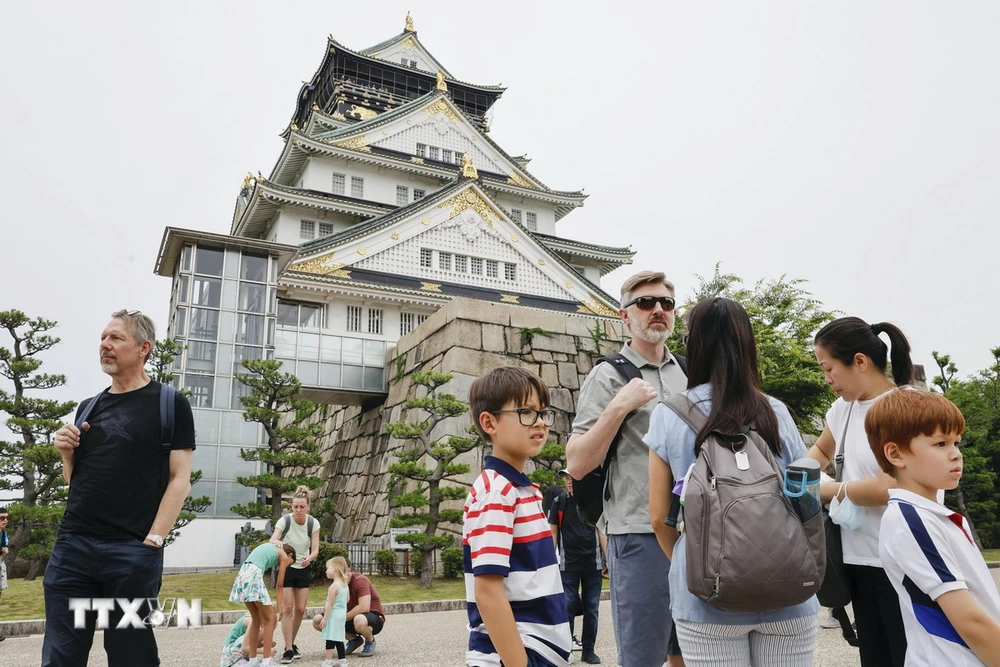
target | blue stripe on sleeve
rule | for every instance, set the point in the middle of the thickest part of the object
(925, 542)
(930, 616)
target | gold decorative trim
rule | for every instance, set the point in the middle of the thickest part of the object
(513, 238)
(440, 83)
(569, 284)
(416, 160)
(509, 298)
(395, 236)
(336, 115)
(362, 250)
(315, 107)
(597, 308)
(385, 133)
(466, 200)
(430, 287)
(410, 43)
(409, 121)
(319, 266)
(541, 261)
(355, 144)
(362, 112)
(441, 107)
(517, 179)
(426, 221)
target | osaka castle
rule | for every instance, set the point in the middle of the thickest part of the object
(387, 200)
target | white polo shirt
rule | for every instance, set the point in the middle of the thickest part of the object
(927, 550)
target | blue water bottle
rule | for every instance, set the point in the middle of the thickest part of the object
(802, 487)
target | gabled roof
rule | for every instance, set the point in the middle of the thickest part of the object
(417, 45)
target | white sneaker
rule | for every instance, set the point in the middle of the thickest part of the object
(327, 663)
(828, 621)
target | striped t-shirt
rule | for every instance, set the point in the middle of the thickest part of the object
(505, 532)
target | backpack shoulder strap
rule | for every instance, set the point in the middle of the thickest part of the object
(681, 361)
(310, 522)
(685, 408)
(288, 525)
(625, 368)
(168, 397)
(87, 411)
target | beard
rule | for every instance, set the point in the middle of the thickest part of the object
(650, 335)
(109, 366)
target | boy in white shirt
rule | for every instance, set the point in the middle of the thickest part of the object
(949, 602)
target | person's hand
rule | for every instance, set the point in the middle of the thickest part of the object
(67, 439)
(308, 559)
(635, 394)
(322, 624)
(3, 551)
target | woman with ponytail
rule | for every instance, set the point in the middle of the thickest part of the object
(301, 530)
(855, 360)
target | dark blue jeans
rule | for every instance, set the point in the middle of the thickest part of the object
(590, 581)
(88, 567)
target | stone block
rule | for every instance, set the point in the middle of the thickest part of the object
(615, 329)
(457, 333)
(493, 338)
(555, 343)
(479, 311)
(542, 356)
(398, 391)
(568, 375)
(562, 399)
(459, 385)
(560, 356)
(550, 375)
(525, 318)
(579, 326)
(584, 364)
(472, 362)
(515, 342)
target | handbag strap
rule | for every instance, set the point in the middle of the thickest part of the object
(839, 459)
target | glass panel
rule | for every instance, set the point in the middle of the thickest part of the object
(374, 379)
(232, 465)
(227, 323)
(201, 356)
(352, 350)
(352, 377)
(180, 325)
(224, 362)
(176, 364)
(232, 263)
(274, 269)
(182, 293)
(330, 348)
(284, 343)
(308, 373)
(186, 258)
(238, 431)
(270, 331)
(200, 387)
(207, 292)
(229, 494)
(252, 297)
(287, 365)
(310, 316)
(229, 295)
(374, 353)
(239, 389)
(329, 375)
(288, 314)
(208, 261)
(204, 323)
(254, 268)
(204, 459)
(242, 352)
(308, 346)
(250, 329)
(272, 301)
(206, 426)
(222, 387)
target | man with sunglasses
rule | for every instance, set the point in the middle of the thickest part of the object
(640, 595)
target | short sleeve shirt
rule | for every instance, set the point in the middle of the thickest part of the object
(579, 546)
(627, 509)
(298, 536)
(360, 586)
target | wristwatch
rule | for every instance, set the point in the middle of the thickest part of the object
(155, 539)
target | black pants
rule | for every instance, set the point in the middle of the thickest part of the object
(590, 581)
(881, 637)
(88, 567)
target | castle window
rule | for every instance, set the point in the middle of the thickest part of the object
(492, 268)
(375, 321)
(402, 195)
(325, 228)
(532, 221)
(418, 194)
(339, 184)
(307, 229)
(515, 215)
(510, 271)
(426, 258)
(357, 187)
(421, 150)
(477, 266)
(434, 152)
(354, 318)
(444, 261)
(461, 264)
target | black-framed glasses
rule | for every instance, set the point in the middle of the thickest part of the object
(649, 302)
(529, 417)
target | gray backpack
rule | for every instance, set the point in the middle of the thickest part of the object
(310, 522)
(746, 550)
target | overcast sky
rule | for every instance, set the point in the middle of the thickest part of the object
(853, 144)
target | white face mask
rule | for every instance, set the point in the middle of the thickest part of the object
(845, 513)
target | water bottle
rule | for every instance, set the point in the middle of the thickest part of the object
(802, 487)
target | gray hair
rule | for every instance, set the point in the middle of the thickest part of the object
(644, 278)
(142, 326)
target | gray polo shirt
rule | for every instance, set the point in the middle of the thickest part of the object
(627, 510)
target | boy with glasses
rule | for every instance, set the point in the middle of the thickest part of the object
(514, 595)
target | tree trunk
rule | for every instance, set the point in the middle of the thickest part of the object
(963, 510)
(33, 570)
(426, 568)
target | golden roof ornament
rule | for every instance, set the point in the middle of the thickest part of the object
(468, 169)
(409, 24)
(247, 179)
(441, 83)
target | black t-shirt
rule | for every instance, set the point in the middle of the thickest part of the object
(579, 546)
(118, 469)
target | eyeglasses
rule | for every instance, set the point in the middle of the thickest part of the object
(529, 417)
(649, 302)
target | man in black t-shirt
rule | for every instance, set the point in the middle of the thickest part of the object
(125, 494)
(580, 563)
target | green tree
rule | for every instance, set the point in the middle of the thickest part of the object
(424, 501)
(785, 318)
(158, 365)
(978, 495)
(291, 440)
(30, 463)
(548, 463)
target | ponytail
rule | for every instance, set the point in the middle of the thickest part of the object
(847, 336)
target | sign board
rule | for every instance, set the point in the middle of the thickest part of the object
(399, 546)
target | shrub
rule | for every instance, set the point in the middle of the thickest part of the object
(385, 562)
(326, 551)
(453, 562)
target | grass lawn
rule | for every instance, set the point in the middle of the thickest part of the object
(23, 599)
(991, 555)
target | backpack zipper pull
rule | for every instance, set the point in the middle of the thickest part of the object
(715, 589)
(713, 482)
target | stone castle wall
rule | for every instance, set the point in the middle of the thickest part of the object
(465, 338)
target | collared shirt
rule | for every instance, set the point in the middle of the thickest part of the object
(579, 544)
(927, 550)
(504, 532)
(627, 510)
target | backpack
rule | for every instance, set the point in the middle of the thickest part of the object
(167, 397)
(310, 522)
(746, 548)
(591, 491)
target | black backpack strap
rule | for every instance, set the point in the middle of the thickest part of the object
(681, 361)
(629, 372)
(168, 397)
(87, 411)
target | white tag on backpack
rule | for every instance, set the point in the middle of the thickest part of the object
(742, 460)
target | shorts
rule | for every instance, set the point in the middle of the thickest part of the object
(375, 621)
(297, 577)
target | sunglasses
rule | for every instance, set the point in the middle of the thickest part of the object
(649, 302)
(529, 417)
